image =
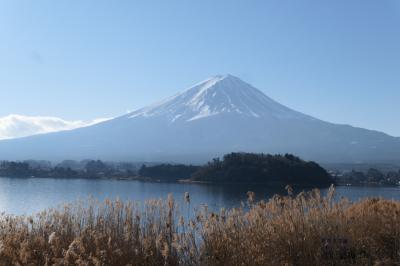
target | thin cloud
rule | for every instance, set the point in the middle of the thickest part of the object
(17, 126)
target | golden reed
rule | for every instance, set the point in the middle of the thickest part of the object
(307, 229)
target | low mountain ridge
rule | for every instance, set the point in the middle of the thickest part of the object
(219, 115)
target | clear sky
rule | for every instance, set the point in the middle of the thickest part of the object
(336, 60)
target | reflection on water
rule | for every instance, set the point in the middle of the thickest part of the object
(30, 195)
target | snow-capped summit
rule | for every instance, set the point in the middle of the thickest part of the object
(222, 94)
(219, 115)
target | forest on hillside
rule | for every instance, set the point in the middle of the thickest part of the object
(245, 168)
(263, 168)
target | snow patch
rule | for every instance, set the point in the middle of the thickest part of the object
(175, 118)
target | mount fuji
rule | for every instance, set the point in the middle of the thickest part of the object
(219, 115)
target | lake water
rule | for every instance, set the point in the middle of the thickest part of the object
(31, 195)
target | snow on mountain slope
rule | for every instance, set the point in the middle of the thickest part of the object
(219, 115)
(215, 96)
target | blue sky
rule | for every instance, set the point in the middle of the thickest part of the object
(336, 60)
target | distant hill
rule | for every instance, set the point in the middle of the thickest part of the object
(263, 169)
(217, 116)
(244, 168)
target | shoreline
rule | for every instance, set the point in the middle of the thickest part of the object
(196, 182)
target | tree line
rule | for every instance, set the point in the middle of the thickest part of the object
(231, 168)
(72, 169)
(372, 176)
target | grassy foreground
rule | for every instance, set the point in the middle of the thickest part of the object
(306, 229)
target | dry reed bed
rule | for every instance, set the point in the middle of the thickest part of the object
(307, 229)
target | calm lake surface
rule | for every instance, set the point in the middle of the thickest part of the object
(31, 195)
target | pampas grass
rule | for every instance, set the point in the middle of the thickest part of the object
(307, 229)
